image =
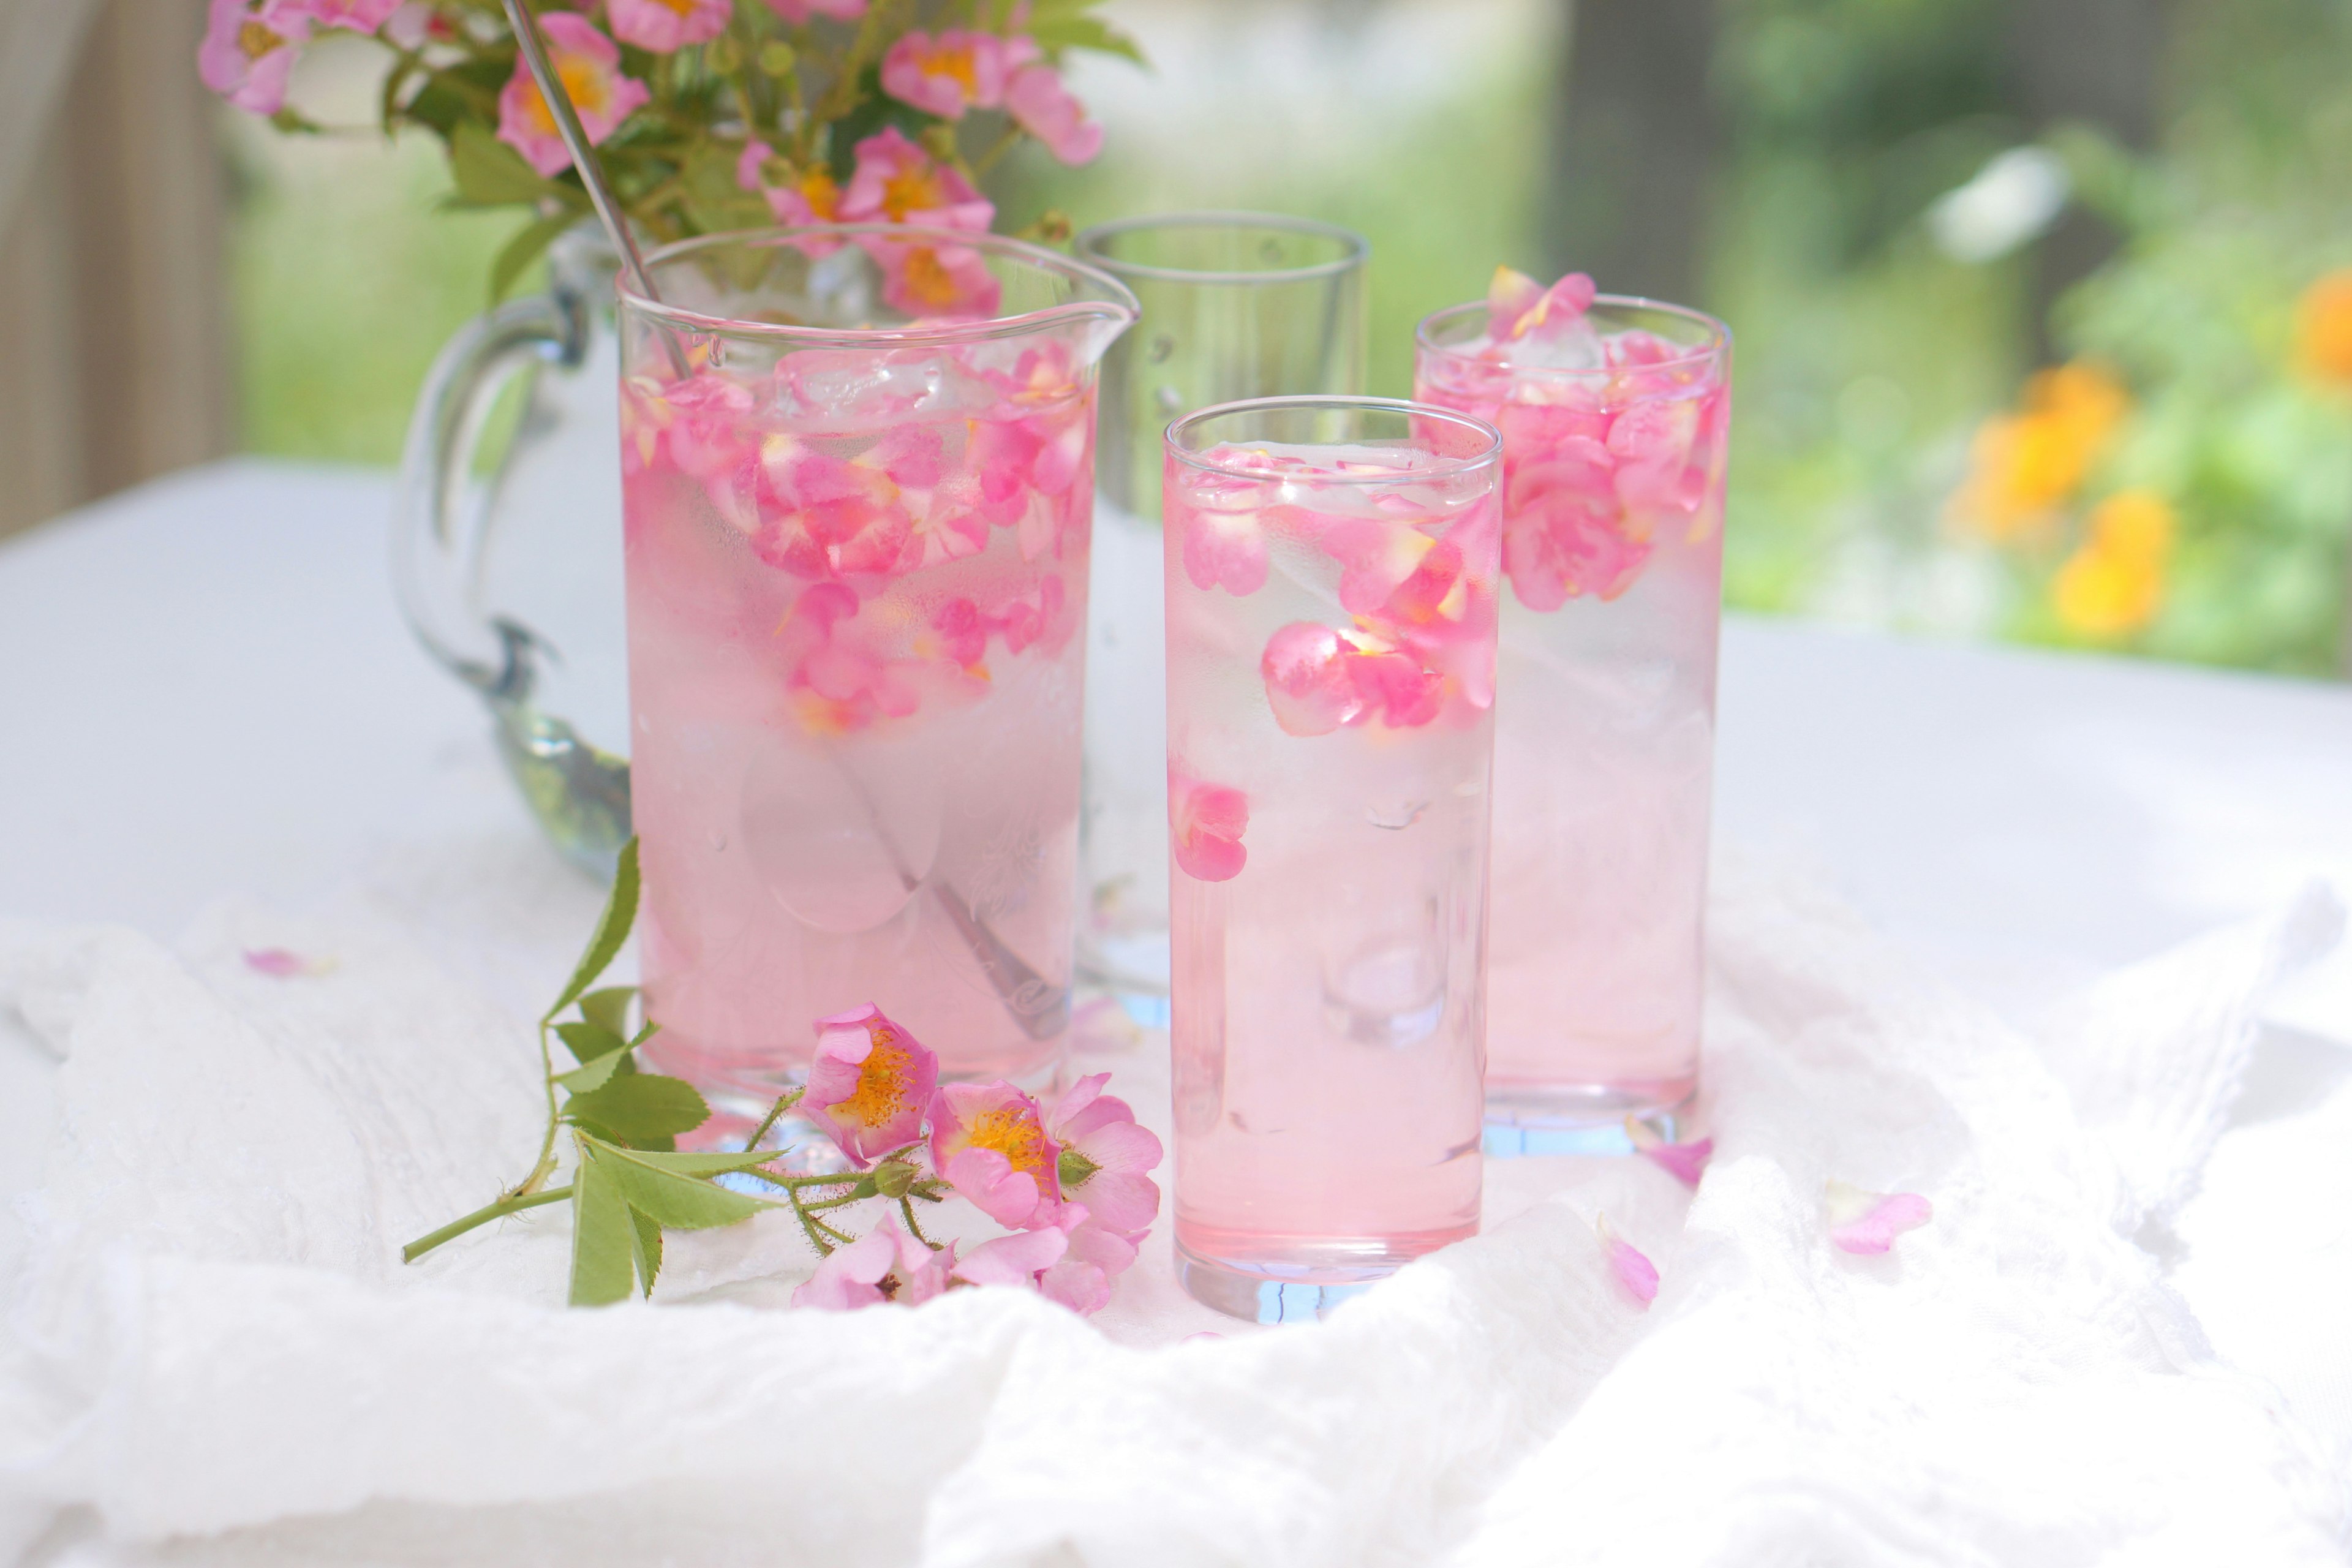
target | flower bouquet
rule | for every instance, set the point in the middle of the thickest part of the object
(708, 115)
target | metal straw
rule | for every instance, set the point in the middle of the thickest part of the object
(1040, 1008)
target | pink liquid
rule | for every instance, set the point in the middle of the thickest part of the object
(1604, 746)
(856, 665)
(1328, 953)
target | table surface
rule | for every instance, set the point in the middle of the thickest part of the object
(208, 691)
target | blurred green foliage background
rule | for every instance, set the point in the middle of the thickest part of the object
(1884, 345)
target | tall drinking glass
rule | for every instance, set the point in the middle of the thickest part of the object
(856, 491)
(1613, 543)
(1331, 567)
(1234, 305)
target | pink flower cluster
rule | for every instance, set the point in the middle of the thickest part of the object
(923, 493)
(1072, 1181)
(250, 47)
(893, 181)
(957, 71)
(1595, 461)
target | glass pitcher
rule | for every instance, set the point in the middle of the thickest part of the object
(511, 573)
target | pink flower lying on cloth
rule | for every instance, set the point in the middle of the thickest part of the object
(589, 64)
(1043, 107)
(1106, 1156)
(1516, 305)
(280, 965)
(664, 27)
(1206, 823)
(1869, 1222)
(989, 1141)
(248, 51)
(886, 1265)
(1684, 1162)
(1095, 1255)
(798, 11)
(955, 71)
(1634, 1272)
(870, 1083)
(1012, 1260)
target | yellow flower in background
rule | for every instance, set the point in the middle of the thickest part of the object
(2113, 584)
(2024, 465)
(2323, 328)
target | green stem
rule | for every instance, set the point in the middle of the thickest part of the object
(912, 1228)
(545, 1166)
(784, 1103)
(513, 1203)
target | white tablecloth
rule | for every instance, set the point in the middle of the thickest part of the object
(205, 687)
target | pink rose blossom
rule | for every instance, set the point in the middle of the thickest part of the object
(1012, 1259)
(798, 11)
(938, 282)
(1684, 1162)
(354, 15)
(664, 27)
(895, 180)
(989, 1141)
(953, 72)
(886, 1265)
(809, 198)
(1865, 1222)
(1106, 1156)
(869, 1082)
(1634, 1270)
(1206, 822)
(1043, 107)
(1080, 1278)
(589, 64)
(250, 48)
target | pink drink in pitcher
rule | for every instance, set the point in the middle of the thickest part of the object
(1613, 414)
(856, 565)
(1331, 571)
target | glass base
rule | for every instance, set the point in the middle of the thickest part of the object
(1307, 1285)
(1525, 1119)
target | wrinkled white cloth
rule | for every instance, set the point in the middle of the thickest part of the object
(213, 1355)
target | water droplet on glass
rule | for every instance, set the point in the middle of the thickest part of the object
(1162, 346)
(1170, 401)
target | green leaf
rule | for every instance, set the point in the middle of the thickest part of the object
(603, 1238)
(648, 1236)
(528, 245)
(639, 1107)
(590, 1042)
(588, 1079)
(609, 1008)
(488, 173)
(1055, 35)
(716, 1164)
(677, 1203)
(620, 914)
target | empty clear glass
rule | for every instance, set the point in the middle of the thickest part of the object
(1235, 305)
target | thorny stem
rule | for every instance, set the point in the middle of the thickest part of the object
(784, 1103)
(913, 1229)
(545, 1167)
(513, 1203)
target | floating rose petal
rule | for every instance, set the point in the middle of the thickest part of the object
(1634, 1272)
(1516, 305)
(1306, 681)
(1684, 1162)
(1866, 1222)
(1225, 550)
(868, 1084)
(1206, 822)
(990, 1142)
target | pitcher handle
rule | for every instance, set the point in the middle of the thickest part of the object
(437, 537)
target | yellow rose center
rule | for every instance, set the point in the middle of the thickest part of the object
(882, 1081)
(1013, 1133)
(911, 190)
(257, 40)
(956, 62)
(585, 82)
